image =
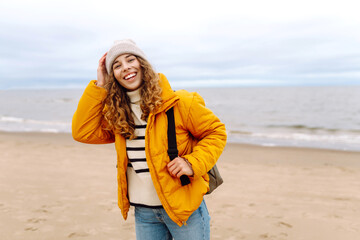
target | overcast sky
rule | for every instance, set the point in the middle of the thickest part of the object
(194, 43)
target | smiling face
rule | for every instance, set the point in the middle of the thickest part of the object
(127, 71)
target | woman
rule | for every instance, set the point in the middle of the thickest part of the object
(127, 105)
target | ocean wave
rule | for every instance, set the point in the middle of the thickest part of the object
(18, 124)
(344, 136)
(312, 129)
(351, 138)
(50, 130)
(339, 140)
(64, 100)
(240, 132)
(10, 119)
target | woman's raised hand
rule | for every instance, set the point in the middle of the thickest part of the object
(101, 72)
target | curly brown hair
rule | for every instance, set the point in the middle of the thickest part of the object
(117, 111)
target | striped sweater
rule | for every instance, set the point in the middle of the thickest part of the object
(141, 189)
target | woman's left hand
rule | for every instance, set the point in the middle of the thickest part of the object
(179, 166)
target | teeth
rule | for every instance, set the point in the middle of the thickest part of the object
(130, 76)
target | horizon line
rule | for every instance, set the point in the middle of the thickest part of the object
(180, 85)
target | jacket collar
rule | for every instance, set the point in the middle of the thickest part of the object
(168, 96)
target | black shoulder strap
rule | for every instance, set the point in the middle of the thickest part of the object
(172, 146)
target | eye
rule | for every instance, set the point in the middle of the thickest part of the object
(131, 59)
(117, 66)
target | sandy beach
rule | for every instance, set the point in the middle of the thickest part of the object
(55, 188)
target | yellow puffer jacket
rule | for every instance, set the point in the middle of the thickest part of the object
(201, 138)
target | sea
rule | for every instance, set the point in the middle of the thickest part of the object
(308, 116)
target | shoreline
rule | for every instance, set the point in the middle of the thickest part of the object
(53, 187)
(65, 136)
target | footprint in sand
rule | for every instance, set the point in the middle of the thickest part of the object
(36, 220)
(76, 234)
(43, 209)
(33, 223)
(31, 229)
(227, 206)
(3, 208)
(285, 224)
(265, 235)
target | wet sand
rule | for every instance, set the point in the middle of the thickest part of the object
(55, 188)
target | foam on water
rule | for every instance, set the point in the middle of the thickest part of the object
(16, 124)
(11, 119)
(340, 141)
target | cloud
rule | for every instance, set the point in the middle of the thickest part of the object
(238, 43)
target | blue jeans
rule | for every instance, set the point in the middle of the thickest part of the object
(155, 224)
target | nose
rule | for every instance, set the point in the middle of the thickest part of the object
(126, 66)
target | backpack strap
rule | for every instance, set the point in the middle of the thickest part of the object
(172, 146)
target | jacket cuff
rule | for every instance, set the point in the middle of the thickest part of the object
(95, 92)
(196, 169)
